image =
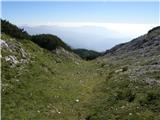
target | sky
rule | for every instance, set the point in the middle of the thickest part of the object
(92, 25)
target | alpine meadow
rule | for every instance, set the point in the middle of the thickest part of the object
(84, 60)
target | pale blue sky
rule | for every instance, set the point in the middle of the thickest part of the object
(114, 12)
(92, 25)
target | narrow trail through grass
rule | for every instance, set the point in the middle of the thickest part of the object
(77, 86)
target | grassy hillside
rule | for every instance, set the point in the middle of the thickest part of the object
(38, 84)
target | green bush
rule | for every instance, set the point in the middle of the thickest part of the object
(13, 30)
(49, 42)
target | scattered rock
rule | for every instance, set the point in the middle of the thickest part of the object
(77, 100)
(23, 61)
(3, 43)
(38, 111)
(152, 82)
(23, 53)
(119, 70)
(123, 107)
(11, 59)
(56, 110)
(17, 80)
(77, 63)
(59, 112)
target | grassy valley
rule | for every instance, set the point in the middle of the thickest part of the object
(43, 84)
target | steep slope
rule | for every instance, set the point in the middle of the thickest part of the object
(144, 42)
(131, 89)
(41, 85)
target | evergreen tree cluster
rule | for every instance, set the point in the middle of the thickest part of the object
(47, 41)
(13, 30)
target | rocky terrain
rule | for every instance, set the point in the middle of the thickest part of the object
(39, 84)
(132, 83)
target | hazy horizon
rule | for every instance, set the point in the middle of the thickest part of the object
(91, 37)
(90, 25)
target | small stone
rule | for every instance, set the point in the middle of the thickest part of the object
(77, 63)
(3, 43)
(77, 100)
(59, 112)
(119, 70)
(17, 80)
(11, 59)
(123, 107)
(136, 87)
(7, 58)
(130, 113)
(23, 53)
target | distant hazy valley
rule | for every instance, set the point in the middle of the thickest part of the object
(93, 37)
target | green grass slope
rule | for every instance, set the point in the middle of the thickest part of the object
(40, 85)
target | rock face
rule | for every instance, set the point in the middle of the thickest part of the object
(141, 44)
(3, 43)
(11, 59)
(13, 52)
(141, 55)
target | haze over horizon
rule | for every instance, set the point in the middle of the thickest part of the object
(91, 25)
